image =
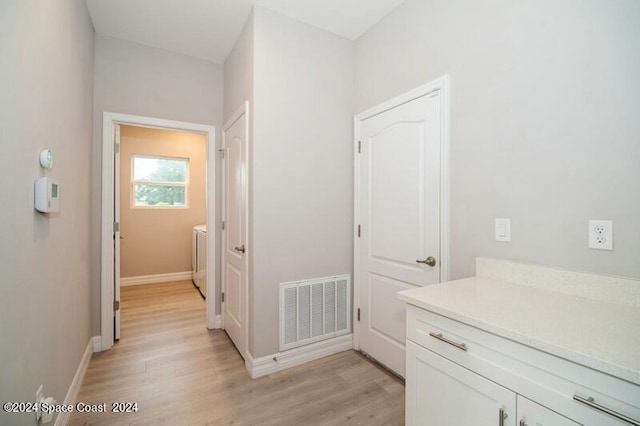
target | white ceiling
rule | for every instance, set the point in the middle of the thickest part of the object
(208, 29)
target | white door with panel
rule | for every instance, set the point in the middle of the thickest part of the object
(234, 233)
(399, 211)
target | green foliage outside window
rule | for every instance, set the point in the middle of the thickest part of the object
(160, 182)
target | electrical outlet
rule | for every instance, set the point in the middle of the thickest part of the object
(47, 416)
(601, 234)
(38, 400)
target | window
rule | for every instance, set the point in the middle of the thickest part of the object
(159, 182)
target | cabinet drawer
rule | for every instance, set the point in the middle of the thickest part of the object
(532, 414)
(539, 376)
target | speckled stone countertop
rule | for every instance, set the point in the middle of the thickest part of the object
(589, 329)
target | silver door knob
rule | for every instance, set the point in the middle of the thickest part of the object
(239, 249)
(431, 261)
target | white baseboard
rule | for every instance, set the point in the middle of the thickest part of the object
(262, 366)
(155, 279)
(217, 323)
(72, 393)
(96, 341)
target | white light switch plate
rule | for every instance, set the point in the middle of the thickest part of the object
(503, 229)
(601, 234)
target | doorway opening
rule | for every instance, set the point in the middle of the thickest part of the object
(156, 183)
(163, 197)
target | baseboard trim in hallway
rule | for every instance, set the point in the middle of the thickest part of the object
(217, 322)
(265, 365)
(72, 393)
(156, 279)
(97, 343)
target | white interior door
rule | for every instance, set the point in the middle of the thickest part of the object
(399, 202)
(234, 233)
(116, 232)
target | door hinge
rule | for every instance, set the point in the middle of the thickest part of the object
(223, 297)
(359, 147)
(223, 225)
(116, 305)
(116, 226)
(222, 153)
(359, 233)
(116, 148)
(358, 314)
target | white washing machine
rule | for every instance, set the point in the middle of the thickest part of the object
(194, 255)
(199, 258)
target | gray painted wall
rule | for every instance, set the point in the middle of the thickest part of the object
(544, 120)
(238, 72)
(302, 164)
(46, 63)
(139, 80)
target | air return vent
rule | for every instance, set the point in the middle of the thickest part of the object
(314, 310)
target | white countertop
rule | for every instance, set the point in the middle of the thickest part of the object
(599, 334)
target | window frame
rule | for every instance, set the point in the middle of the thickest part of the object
(184, 184)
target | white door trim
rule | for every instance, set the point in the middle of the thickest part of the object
(441, 84)
(243, 110)
(107, 250)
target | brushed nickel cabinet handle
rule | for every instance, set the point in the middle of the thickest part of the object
(590, 402)
(503, 417)
(440, 337)
(431, 261)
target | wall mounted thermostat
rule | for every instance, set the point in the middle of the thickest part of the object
(47, 195)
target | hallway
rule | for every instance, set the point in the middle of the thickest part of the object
(180, 373)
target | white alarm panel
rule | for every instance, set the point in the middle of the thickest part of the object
(47, 195)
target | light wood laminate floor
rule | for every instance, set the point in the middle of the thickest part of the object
(180, 373)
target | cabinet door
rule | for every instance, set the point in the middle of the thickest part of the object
(532, 414)
(440, 392)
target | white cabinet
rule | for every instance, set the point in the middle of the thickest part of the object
(462, 375)
(440, 392)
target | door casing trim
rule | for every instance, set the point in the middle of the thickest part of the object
(441, 84)
(109, 119)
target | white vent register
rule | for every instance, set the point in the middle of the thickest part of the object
(314, 310)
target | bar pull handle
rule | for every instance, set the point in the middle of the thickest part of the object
(440, 337)
(591, 403)
(503, 417)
